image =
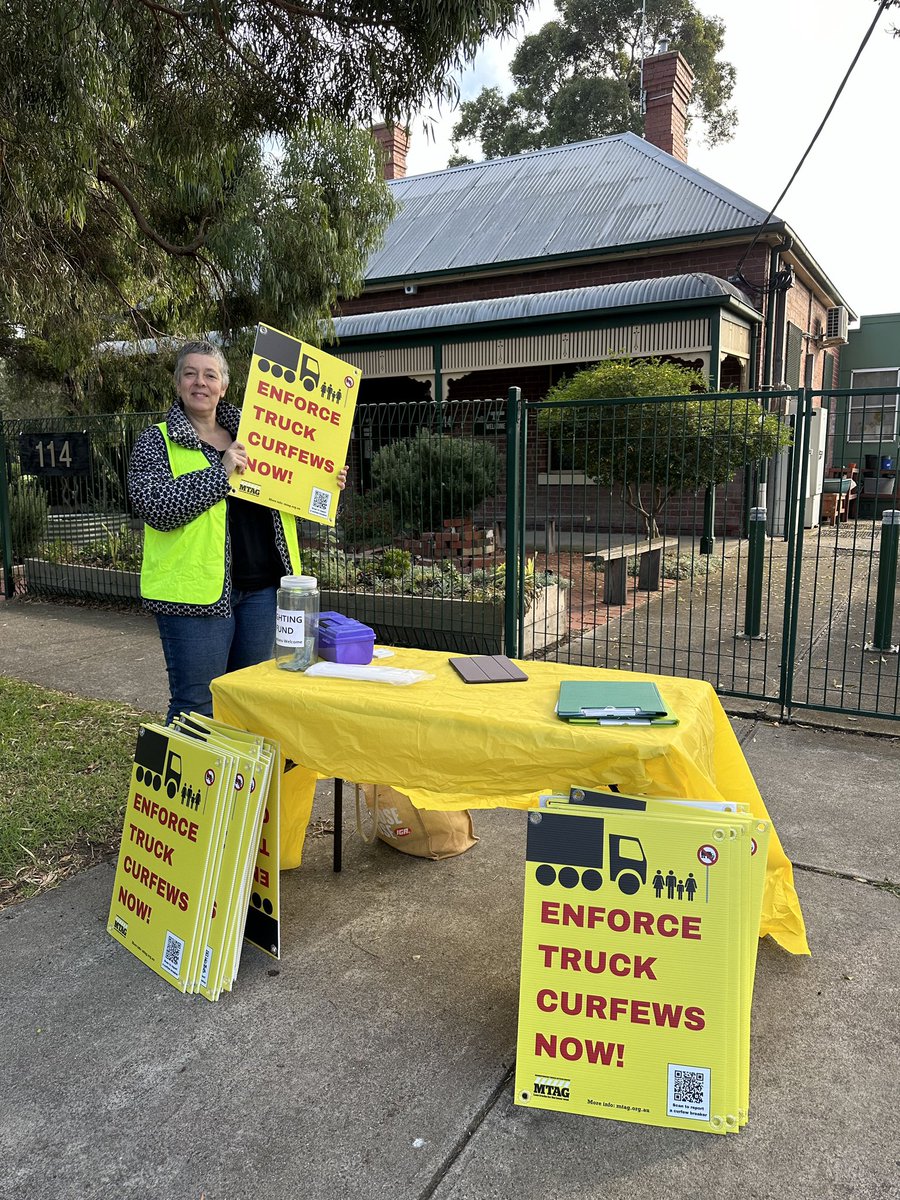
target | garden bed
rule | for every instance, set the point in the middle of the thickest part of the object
(463, 626)
(74, 579)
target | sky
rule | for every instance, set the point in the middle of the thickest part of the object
(790, 57)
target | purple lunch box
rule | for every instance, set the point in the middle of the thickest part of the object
(343, 640)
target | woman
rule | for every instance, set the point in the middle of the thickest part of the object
(212, 562)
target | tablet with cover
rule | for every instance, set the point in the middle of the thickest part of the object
(487, 668)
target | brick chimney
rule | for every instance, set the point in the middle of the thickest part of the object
(394, 143)
(668, 83)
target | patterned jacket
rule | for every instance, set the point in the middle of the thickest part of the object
(166, 503)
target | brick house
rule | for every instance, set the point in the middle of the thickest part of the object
(518, 271)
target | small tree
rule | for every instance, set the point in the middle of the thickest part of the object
(428, 478)
(658, 447)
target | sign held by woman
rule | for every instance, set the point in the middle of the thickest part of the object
(296, 421)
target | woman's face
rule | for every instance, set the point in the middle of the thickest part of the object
(200, 386)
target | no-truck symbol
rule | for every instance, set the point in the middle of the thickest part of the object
(210, 777)
(753, 845)
(708, 855)
(349, 381)
(238, 781)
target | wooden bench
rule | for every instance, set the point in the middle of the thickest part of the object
(615, 558)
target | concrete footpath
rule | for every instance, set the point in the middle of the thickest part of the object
(375, 1059)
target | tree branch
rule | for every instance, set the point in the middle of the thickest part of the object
(163, 8)
(106, 176)
(317, 14)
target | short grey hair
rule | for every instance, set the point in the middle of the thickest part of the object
(208, 348)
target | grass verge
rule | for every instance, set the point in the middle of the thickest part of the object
(64, 770)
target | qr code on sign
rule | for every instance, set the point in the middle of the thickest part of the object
(688, 1094)
(319, 503)
(172, 952)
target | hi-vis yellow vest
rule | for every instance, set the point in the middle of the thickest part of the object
(187, 565)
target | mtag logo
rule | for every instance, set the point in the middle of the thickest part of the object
(553, 1089)
(120, 926)
(250, 489)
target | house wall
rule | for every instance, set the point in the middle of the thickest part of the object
(804, 310)
(875, 345)
(713, 259)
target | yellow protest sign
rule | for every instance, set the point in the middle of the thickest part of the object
(295, 422)
(171, 821)
(199, 853)
(634, 999)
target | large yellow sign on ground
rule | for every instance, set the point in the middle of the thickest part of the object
(295, 422)
(638, 949)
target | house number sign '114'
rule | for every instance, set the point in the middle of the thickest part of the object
(54, 453)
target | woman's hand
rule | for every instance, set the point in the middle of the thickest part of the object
(235, 458)
(341, 476)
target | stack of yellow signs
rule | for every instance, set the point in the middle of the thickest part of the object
(198, 863)
(639, 947)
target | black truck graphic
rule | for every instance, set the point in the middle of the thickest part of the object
(572, 849)
(155, 764)
(279, 356)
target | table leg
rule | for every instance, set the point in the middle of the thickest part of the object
(338, 822)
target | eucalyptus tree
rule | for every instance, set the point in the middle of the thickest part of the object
(579, 77)
(175, 165)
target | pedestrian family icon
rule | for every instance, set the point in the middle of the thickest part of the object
(682, 889)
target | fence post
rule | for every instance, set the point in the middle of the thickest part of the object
(513, 522)
(887, 583)
(708, 537)
(9, 581)
(756, 553)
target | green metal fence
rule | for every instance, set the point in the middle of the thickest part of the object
(758, 580)
(64, 512)
(660, 535)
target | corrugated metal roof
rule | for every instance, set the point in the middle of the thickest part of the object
(615, 191)
(666, 290)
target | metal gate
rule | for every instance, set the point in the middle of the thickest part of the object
(778, 585)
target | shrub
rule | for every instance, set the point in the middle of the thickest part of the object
(680, 566)
(331, 567)
(429, 478)
(394, 564)
(120, 550)
(27, 518)
(365, 520)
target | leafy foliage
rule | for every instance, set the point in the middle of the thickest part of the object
(394, 573)
(579, 77)
(27, 517)
(120, 548)
(659, 447)
(430, 478)
(171, 167)
(363, 519)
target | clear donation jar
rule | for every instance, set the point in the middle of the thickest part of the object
(297, 622)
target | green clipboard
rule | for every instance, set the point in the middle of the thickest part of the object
(611, 700)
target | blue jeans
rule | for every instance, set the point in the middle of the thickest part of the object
(199, 649)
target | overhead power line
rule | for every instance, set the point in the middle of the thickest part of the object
(884, 4)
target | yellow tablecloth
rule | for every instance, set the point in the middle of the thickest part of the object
(448, 744)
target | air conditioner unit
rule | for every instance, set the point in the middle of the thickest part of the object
(835, 326)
